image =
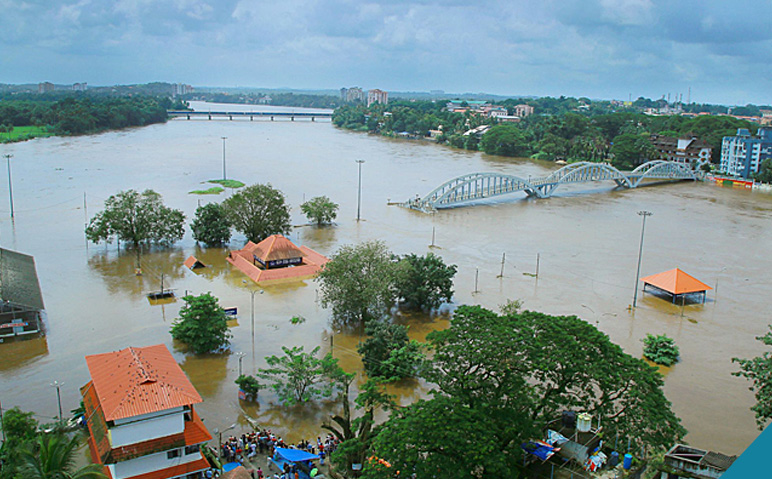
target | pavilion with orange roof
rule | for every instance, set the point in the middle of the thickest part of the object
(275, 259)
(676, 283)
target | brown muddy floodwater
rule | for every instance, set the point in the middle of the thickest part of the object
(586, 238)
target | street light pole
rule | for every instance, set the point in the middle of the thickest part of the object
(643, 213)
(57, 385)
(241, 356)
(10, 186)
(359, 191)
(252, 293)
(223, 156)
(219, 438)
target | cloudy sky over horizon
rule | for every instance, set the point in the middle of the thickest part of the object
(608, 49)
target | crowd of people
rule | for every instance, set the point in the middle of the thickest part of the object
(248, 446)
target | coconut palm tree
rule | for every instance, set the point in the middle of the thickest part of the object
(53, 457)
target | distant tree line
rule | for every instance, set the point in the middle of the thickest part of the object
(83, 113)
(561, 129)
(278, 99)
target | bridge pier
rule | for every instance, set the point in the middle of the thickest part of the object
(292, 118)
(251, 117)
(230, 117)
(210, 117)
(271, 117)
(312, 118)
(188, 117)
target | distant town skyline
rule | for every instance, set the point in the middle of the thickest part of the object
(706, 51)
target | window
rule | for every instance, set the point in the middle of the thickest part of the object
(172, 454)
(191, 449)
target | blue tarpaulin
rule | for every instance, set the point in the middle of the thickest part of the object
(295, 455)
(230, 466)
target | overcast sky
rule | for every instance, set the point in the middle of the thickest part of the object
(606, 49)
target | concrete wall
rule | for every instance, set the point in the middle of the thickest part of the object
(147, 427)
(150, 463)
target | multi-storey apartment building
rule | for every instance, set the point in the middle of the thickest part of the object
(742, 154)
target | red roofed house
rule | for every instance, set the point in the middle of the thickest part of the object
(141, 421)
(276, 258)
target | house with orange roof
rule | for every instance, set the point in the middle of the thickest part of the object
(276, 258)
(676, 283)
(140, 415)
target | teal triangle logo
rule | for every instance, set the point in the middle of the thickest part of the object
(754, 460)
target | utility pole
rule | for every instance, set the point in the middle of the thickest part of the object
(359, 191)
(57, 385)
(643, 213)
(10, 186)
(223, 157)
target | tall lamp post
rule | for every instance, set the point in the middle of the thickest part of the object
(223, 156)
(10, 187)
(359, 191)
(252, 293)
(241, 356)
(57, 385)
(219, 438)
(643, 213)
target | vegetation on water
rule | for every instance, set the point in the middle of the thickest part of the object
(320, 209)
(560, 129)
(77, 114)
(258, 211)
(10, 133)
(300, 376)
(660, 349)
(758, 370)
(210, 225)
(501, 379)
(388, 353)
(228, 183)
(250, 385)
(202, 324)
(139, 219)
(424, 282)
(215, 190)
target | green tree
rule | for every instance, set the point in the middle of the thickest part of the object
(758, 370)
(424, 282)
(388, 352)
(505, 140)
(138, 219)
(630, 150)
(765, 171)
(660, 349)
(358, 283)
(320, 210)
(202, 324)
(250, 385)
(210, 226)
(298, 376)
(20, 430)
(258, 211)
(506, 377)
(53, 457)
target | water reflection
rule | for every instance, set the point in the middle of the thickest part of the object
(21, 352)
(207, 372)
(160, 269)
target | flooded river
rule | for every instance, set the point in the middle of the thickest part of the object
(586, 239)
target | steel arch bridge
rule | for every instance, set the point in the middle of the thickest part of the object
(477, 186)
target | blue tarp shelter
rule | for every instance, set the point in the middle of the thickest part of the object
(297, 457)
(230, 466)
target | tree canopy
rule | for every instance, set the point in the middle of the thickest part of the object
(320, 209)
(258, 211)
(758, 370)
(388, 352)
(504, 378)
(358, 282)
(424, 282)
(202, 324)
(210, 226)
(298, 376)
(138, 219)
(53, 457)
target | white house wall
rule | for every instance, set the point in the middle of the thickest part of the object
(150, 463)
(147, 429)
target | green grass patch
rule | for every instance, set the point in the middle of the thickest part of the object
(215, 190)
(228, 183)
(21, 133)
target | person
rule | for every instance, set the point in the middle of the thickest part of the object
(259, 473)
(321, 457)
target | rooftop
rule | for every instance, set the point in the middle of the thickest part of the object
(136, 381)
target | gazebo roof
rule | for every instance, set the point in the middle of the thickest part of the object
(676, 281)
(275, 247)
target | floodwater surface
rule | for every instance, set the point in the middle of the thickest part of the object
(586, 239)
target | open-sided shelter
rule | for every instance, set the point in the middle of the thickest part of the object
(677, 283)
(276, 258)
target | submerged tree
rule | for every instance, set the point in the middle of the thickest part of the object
(759, 371)
(250, 385)
(210, 226)
(358, 283)
(202, 324)
(320, 209)
(388, 353)
(298, 376)
(424, 282)
(258, 211)
(660, 349)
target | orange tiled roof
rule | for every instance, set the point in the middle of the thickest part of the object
(311, 265)
(136, 381)
(192, 262)
(187, 468)
(273, 248)
(676, 281)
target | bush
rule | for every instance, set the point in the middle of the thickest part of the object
(660, 349)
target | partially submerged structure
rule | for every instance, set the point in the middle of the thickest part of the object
(140, 415)
(676, 283)
(683, 461)
(193, 263)
(22, 305)
(276, 258)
